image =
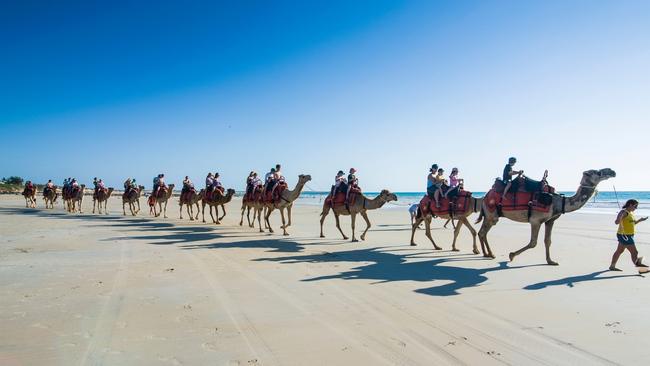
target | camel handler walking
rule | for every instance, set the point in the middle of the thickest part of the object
(625, 235)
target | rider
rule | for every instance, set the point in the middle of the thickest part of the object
(339, 180)
(209, 181)
(277, 178)
(49, 184)
(440, 183)
(455, 183)
(127, 186)
(73, 184)
(156, 184)
(29, 185)
(431, 180)
(187, 185)
(66, 185)
(100, 185)
(508, 173)
(95, 186)
(269, 179)
(217, 183)
(353, 182)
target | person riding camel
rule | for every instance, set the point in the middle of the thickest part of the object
(455, 184)
(252, 183)
(127, 186)
(269, 180)
(431, 180)
(508, 173)
(29, 185)
(188, 186)
(217, 183)
(353, 183)
(49, 185)
(278, 179)
(339, 183)
(74, 185)
(157, 184)
(209, 181)
(66, 186)
(100, 186)
(441, 186)
(95, 182)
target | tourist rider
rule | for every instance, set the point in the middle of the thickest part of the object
(440, 184)
(508, 173)
(127, 186)
(455, 184)
(625, 234)
(217, 183)
(339, 182)
(278, 178)
(269, 179)
(353, 182)
(431, 180)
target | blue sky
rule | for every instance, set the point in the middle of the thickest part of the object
(389, 87)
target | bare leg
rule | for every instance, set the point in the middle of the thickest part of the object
(617, 253)
(534, 233)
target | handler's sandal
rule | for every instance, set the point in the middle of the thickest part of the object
(639, 263)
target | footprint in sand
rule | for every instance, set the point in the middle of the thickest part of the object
(209, 346)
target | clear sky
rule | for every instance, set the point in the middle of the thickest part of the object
(388, 87)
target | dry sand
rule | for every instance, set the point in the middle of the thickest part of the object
(113, 290)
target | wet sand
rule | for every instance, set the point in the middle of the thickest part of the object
(90, 289)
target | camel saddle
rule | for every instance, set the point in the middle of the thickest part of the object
(105, 190)
(276, 194)
(448, 206)
(187, 194)
(530, 195)
(209, 195)
(255, 195)
(28, 191)
(339, 199)
(162, 192)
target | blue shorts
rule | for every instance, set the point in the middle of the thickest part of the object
(625, 239)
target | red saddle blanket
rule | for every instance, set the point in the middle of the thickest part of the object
(254, 196)
(187, 195)
(515, 201)
(210, 195)
(339, 199)
(455, 205)
(275, 198)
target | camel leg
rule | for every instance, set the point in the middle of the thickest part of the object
(258, 212)
(124, 208)
(203, 210)
(94, 201)
(284, 226)
(427, 227)
(165, 210)
(456, 232)
(216, 214)
(223, 207)
(267, 214)
(243, 210)
(465, 222)
(138, 210)
(353, 219)
(106, 207)
(212, 217)
(289, 215)
(548, 230)
(326, 210)
(248, 216)
(181, 211)
(338, 225)
(190, 211)
(415, 226)
(534, 233)
(482, 236)
(364, 214)
(197, 211)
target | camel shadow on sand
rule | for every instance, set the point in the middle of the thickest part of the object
(385, 267)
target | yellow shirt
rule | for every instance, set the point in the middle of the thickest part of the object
(626, 225)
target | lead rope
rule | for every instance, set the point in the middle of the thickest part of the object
(616, 194)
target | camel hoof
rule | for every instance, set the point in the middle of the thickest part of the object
(363, 238)
(345, 238)
(322, 236)
(475, 251)
(285, 234)
(552, 263)
(437, 248)
(354, 240)
(413, 244)
(455, 250)
(512, 256)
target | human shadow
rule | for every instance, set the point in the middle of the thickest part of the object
(391, 267)
(570, 281)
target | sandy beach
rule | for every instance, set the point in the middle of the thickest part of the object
(113, 290)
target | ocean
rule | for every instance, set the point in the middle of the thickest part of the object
(603, 202)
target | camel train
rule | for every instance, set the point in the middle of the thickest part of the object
(528, 201)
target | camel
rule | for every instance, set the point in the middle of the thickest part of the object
(49, 196)
(255, 204)
(193, 200)
(559, 206)
(360, 206)
(286, 201)
(73, 199)
(30, 197)
(217, 200)
(99, 197)
(133, 199)
(473, 205)
(160, 200)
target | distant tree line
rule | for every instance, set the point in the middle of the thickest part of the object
(13, 180)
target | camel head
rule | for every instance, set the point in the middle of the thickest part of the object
(591, 178)
(387, 196)
(304, 178)
(230, 192)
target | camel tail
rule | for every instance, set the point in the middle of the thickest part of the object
(480, 216)
(418, 213)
